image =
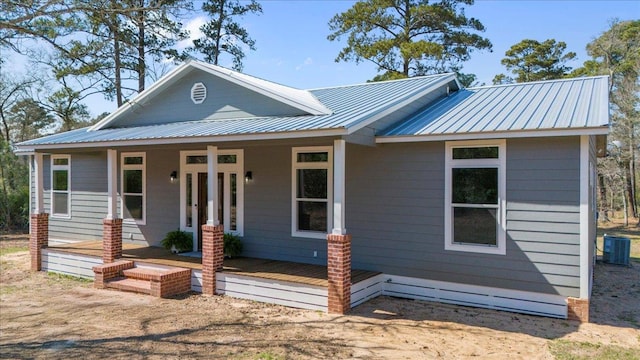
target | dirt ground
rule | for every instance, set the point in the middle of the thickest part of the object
(48, 316)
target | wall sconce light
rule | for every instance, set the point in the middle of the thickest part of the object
(248, 176)
(174, 176)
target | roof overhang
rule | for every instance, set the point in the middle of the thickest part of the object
(189, 140)
(493, 135)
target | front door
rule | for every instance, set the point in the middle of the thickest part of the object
(194, 193)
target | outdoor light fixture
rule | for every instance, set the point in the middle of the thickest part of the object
(248, 176)
(174, 176)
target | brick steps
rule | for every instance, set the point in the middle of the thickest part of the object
(143, 273)
(125, 276)
(130, 285)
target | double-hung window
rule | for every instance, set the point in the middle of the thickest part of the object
(312, 180)
(61, 185)
(475, 181)
(133, 205)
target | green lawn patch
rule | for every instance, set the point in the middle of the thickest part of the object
(11, 250)
(574, 350)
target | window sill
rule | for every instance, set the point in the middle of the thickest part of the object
(61, 216)
(480, 249)
(133, 222)
(309, 234)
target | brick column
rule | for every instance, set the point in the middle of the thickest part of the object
(111, 240)
(339, 273)
(38, 239)
(212, 256)
(578, 309)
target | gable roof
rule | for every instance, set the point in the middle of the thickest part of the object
(352, 108)
(300, 99)
(580, 105)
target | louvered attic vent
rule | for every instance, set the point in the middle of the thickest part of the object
(198, 93)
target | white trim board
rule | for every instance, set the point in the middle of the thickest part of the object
(584, 218)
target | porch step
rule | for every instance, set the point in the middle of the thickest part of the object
(130, 285)
(143, 273)
(159, 282)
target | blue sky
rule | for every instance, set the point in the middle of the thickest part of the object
(292, 45)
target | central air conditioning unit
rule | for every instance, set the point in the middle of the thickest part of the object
(616, 250)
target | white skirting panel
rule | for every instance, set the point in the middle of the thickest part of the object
(69, 264)
(367, 289)
(196, 280)
(272, 291)
(476, 296)
(315, 297)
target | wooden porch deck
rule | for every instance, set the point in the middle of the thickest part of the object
(261, 268)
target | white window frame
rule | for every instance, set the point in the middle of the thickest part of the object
(68, 191)
(142, 167)
(501, 164)
(295, 166)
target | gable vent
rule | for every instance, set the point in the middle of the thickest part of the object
(198, 93)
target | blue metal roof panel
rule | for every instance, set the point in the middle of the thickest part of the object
(546, 105)
(351, 105)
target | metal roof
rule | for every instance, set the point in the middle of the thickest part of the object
(352, 107)
(579, 103)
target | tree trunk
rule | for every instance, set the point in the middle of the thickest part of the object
(117, 62)
(117, 65)
(629, 193)
(5, 125)
(219, 31)
(624, 204)
(141, 56)
(603, 198)
(632, 170)
(5, 193)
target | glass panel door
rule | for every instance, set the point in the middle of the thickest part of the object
(194, 199)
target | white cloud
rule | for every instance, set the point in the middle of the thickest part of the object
(193, 27)
(307, 62)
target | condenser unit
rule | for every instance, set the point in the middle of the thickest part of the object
(616, 250)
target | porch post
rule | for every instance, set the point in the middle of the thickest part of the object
(212, 232)
(212, 186)
(39, 220)
(339, 242)
(212, 256)
(112, 225)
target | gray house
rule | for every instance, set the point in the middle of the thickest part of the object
(414, 188)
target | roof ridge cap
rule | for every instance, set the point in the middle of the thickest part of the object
(380, 82)
(539, 82)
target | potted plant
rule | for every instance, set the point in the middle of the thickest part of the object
(232, 245)
(178, 241)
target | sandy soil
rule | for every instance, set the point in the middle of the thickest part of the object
(46, 316)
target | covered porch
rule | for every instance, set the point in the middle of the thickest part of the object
(332, 278)
(280, 282)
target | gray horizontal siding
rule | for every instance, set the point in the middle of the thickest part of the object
(225, 100)
(267, 229)
(88, 198)
(543, 215)
(395, 204)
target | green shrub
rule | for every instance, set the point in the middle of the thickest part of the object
(232, 245)
(179, 240)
